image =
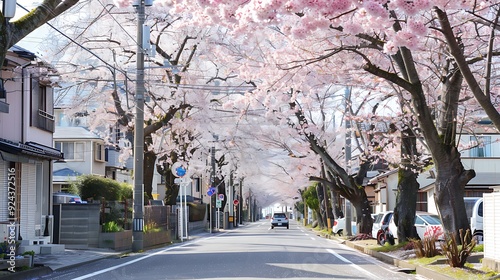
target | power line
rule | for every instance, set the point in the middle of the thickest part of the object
(84, 48)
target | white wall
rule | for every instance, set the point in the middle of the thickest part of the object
(10, 123)
(485, 165)
(431, 205)
(491, 226)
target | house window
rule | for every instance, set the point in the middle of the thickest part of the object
(481, 146)
(99, 154)
(41, 107)
(42, 98)
(422, 201)
(71, 150)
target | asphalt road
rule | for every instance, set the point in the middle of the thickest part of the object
(254, 251)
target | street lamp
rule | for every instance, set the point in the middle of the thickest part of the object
(138, 215)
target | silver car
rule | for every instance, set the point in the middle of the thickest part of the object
(279, 220)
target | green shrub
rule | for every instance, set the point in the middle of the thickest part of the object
(73, 189)
(479, 248)
(5, 247)
(111, 226)
(96, 187)
(151, 227)
(30, 253)
(127, 191)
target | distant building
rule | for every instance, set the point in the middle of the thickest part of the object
(84, 153)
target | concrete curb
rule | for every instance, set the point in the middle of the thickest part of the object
(33, 273)
(420, 270)
(386, 258)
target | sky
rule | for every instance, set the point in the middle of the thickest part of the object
(33, 41)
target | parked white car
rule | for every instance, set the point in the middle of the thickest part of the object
(379, 226)
(339, 224)
(425, 223)
(476, 221)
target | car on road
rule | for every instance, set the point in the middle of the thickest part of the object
(279, 220)
(425, 224)
(380, 225)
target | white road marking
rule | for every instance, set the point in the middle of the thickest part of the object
(312, 238)
(139, 259)
(371, 275)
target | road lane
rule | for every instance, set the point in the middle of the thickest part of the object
(254, 251)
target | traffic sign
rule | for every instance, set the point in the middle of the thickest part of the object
(211, 191)
(235, 202)
(178, 169)
(221, 196)
(218, 203)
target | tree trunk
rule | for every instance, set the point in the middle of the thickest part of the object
(361, 204)
(406, 197)
(321, 225)
(449, 192)
(321, 199)
(171, 189)
(337, 209)
(149, 169)
(326, 202)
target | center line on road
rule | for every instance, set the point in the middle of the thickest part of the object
(372, 276)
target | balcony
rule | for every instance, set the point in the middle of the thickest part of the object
(44, 121)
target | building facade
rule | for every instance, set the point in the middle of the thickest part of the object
(26, 153)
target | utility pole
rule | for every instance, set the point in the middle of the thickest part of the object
(138, 215)
(240, 205)
(347, 97)
(250, 205)
(213, 198)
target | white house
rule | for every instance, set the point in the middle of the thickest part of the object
(480, 150)
(26, 153)
(385, 185)
(84, 153)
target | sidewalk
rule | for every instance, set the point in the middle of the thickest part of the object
(46, 264)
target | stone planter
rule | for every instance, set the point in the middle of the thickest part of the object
(19, 262)
(156, 238)
(118, 241)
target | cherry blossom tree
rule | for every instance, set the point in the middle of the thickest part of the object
(183, 111)
(11, 32)
(105, 58)
(404, 43)
(477, 57)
